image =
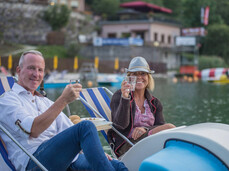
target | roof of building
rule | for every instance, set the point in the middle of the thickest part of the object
(145, 7)
(128, 11)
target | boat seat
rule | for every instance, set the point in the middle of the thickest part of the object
(181, 155)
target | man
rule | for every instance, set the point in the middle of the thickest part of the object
(41, 127)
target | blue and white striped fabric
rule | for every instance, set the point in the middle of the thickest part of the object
(5, 164)
(99, 100)
(6, 83)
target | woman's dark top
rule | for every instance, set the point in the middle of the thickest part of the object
(123, 113)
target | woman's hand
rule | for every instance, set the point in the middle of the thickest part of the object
(138, 132)
(125, 88)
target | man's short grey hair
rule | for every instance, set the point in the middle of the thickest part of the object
(21, 60)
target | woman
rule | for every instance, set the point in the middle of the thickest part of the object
(136, 114)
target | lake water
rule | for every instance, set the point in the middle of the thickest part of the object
(183, 103)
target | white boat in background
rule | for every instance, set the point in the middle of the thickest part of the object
(200, 147)
(114, 80)
(88, 72)
(60, 80)
(55, 79)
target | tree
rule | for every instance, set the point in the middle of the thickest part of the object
(156, 2)
(57, 16)
(105, 7)
(217, 41)
(223, 6)
(191, 15)
(89, 2)
(175, 6)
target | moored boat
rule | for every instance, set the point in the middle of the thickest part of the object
(215, 75)
(114, 80)
(88, 72)
(224, 79)
(102, 79)
(60, 80)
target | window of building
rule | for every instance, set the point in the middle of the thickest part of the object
(126, 35)
(111, 35)
(169, 39)
(162, 38)
(155, 36)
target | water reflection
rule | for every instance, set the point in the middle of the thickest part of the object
(190, 103)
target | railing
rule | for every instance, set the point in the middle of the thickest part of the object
(105, 65)
(144, 19)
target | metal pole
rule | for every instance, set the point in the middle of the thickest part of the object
(109, 92)
(22, 148)
(120, 134)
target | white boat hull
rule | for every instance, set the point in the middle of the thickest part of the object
(214, 137)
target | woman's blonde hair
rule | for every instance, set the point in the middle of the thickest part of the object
(151, 84)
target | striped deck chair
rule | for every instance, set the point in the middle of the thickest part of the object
(6, 83)
(97, 103)
(5, 163)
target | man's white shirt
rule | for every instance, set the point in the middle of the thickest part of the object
(20, 104)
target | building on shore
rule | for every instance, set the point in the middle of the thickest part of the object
(151, 23)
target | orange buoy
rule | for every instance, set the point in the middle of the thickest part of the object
(190, 79)
(175, 80)
(185, 77)
(195, 78)
(89, 84)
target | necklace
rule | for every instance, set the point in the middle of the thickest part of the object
(140, 104)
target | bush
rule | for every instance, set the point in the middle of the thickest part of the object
(73, 49)
(57, 16)
(211, 62)
(217, 41)
(51, 51)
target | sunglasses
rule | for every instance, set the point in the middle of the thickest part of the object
(138, 74)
